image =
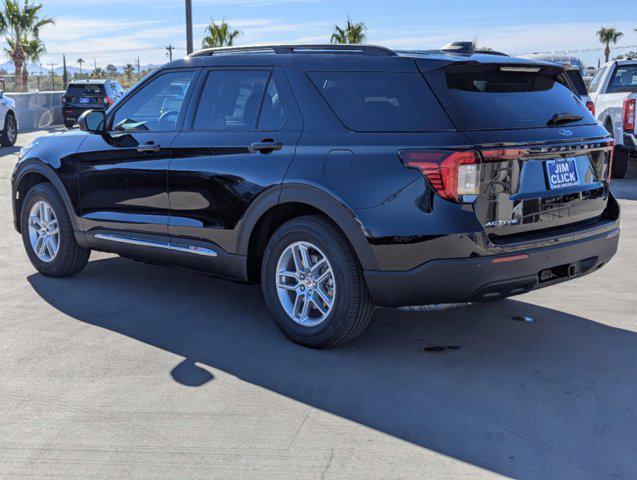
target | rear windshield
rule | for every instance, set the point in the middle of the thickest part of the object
(85, 89)
(369, 101)
(624, 79)
(498, 97)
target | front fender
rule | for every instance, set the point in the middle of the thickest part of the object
(37, 166)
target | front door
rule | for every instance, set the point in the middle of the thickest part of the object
(238, 141)
(123, 173)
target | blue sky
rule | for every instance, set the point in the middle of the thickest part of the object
(120, 30)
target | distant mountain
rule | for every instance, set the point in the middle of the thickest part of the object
(71, 69)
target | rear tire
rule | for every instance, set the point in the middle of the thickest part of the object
(58, 255)
(350, 310)
(621, 158)
(10, 132)
(69, 124)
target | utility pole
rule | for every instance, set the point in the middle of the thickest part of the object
(52, 76)
(138, 69)
(188, 27)
(170, 49)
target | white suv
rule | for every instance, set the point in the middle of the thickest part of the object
(8, 122)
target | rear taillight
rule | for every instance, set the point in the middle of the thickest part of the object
(591, 107)
(629, 115)
(455, 175)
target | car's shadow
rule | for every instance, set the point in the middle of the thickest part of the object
(9, 150)
(550, 398)
(626, 188)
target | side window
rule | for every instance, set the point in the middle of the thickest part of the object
(369, 101)
(272, 113)
(592, 87)
(231, 99)
(156, 106)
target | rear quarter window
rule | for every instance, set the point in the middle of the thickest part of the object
(369, 101)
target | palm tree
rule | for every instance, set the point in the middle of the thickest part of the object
(608, 36)
(129, 70)
(221, 35)
(21, 21)
(80, 61)
(33, 50)
(98, 72)
(351, 33)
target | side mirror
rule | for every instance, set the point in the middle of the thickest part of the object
(92, 121)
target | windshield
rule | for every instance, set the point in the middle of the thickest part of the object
(624, 79)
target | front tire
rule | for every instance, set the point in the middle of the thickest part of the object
(47, 234)
(10, 132)
(313, 284)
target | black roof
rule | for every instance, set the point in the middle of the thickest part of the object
(338, 56)
(89, 81)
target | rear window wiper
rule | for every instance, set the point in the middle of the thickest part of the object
(560, 118)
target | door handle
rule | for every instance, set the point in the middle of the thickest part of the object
(265, 146)
(149, 147)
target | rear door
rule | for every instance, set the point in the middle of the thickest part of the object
(544, 157)
(237, 143)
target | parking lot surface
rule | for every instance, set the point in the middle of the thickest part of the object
(135, 371)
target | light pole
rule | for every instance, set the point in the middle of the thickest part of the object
(188, 27)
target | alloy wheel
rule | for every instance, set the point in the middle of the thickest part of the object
(305, 284)
(44, 232)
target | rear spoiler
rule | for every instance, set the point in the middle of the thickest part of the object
(444, 62)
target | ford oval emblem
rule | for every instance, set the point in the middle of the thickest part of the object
(566, 133)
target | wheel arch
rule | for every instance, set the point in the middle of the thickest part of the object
(33, 173)
(291, 201)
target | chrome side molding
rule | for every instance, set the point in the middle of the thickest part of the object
(206, 252)
(194, 249)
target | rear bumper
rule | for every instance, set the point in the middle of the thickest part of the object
(73, 113)
(479, 279)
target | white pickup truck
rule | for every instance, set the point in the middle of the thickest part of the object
(613, 91)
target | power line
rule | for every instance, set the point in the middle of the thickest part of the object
(578, 50)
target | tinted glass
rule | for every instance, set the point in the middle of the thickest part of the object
(231, 100)
(369, 101)
(75, 89)
(624, 79)
(272, 113)
(156, 105)
(488, 98)
(578, 82)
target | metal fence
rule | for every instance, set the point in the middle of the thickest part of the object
(38, 109)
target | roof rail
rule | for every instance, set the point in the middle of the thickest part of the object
(288, 49)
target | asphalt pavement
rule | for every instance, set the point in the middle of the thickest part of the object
(135, 371)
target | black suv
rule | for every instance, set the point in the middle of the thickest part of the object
(340, 177)
(83, 95)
